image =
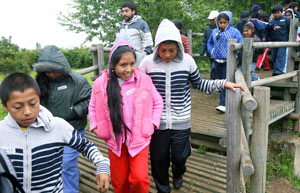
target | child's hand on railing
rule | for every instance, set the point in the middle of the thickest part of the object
(232, 86)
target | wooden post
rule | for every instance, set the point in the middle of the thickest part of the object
(292, 50)
(95, 60)
(247, 61)
(233, 124)
(190, 38)
(231, 61)
(297, 105)
(100, 54)
(260, 139)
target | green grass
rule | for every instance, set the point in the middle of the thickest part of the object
(281, 164)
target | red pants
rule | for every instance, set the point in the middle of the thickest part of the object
(129, 174)
(263, 60)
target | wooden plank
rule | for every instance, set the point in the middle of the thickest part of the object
(205, 173)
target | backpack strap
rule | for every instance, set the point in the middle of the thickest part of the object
(10, 177)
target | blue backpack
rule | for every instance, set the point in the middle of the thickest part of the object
(8, 180)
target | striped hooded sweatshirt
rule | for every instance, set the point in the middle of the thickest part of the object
(36, 153)
(172, 79)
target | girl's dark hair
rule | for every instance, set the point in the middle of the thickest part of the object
(114, 97)
(293, 5)
(250, 26)
(224, 16)
(43, 82)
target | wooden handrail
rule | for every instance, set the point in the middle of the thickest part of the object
(238, 46)
(247, 99)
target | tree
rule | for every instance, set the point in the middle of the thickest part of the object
(102, 18)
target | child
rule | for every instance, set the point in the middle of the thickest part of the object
(125, 109)
(217, 46)
(184, 39)
(57, 81)
(212, 17)
(263, 59)
(249, 32)
(278, 30)
(34, 140)
(171, 71)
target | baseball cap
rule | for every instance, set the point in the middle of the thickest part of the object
(245, 15)
(213, 14)
(255, 8)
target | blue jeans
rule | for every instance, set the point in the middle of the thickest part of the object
(278, 58)
(213, 70)
(70, 171)
(221, 74)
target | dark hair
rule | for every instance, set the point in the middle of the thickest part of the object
(287, 2)
(224, 16)
(169, 42)
(177, 23)
(255, 14)
(276, 8)
(264, 16)
(130, 5)
(17, 82)
(114, 97)
(293, 5)
(43, 82)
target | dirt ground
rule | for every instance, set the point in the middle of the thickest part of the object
(276, 184)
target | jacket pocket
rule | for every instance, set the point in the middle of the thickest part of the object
(104, 130)
(147, 128)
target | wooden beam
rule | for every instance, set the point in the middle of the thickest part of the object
(246, 161)
(260, 139)
(233, 124)
(273, 79)
(247, 99)
(238, 46)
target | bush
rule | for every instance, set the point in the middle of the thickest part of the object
(79, 57)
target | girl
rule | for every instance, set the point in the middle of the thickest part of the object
(125, 109)
(249, 32)
(217, 47)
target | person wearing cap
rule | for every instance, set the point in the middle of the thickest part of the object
(135, 30)
(255, 11)
(245, 17)
(66, 94)
(212, 17)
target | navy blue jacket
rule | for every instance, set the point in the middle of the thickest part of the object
(282, 33)
(207, 33)
(258, 25)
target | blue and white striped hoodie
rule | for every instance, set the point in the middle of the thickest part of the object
(36, 153)
(172, 79)
(218, 47)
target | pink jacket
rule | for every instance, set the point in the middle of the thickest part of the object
(142, 109)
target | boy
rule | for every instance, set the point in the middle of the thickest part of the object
(34, 140)
(277, 30)
(171, 71)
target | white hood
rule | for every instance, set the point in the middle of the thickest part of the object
(168, 31)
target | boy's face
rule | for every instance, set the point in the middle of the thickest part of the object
(277, 14)
(222, 23)
(24, 107)
(167, 52)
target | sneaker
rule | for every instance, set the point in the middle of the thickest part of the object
(221, 108)
(177, 183)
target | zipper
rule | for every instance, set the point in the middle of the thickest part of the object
(26, 164)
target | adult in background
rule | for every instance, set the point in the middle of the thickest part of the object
(136, 31)
(212, 17)
(65, 94)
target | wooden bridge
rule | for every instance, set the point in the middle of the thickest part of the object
(248, 113)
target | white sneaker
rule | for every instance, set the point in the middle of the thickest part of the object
(221, 108)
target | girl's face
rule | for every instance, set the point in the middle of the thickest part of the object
(247, 33)
(288, 14)
(222, 23)
(167, 52)
(126, 66)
